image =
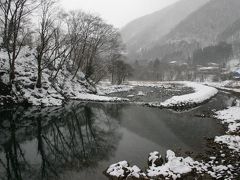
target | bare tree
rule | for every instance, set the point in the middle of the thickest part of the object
(115, 55)
(45, 35)
(81, 27)
(52, 46)
(121, 71)
(13, 17)
(92, 40)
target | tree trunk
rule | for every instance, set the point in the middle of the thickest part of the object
(39, 79)
(11, 74)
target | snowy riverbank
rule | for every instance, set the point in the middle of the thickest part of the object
(58, 89)
(200, 95)
(230, 86)
(169, 167)
(55, 89)
(231, 118)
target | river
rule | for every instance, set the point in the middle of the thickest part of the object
(81, 139)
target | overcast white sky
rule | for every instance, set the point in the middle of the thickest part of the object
(117, 12)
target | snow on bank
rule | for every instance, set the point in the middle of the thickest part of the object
(230, 116)
(140, 93)
(157, 84)
(174, 168)
(233, 142)
(123, 170)
(201, 94)
(105, 88)
(94, 97)
(55, 89)
(232, 86)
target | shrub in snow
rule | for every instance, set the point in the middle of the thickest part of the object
(140, 93)
(155, 159)
(174, 167)
(122, 170)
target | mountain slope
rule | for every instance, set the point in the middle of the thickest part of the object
(208, 22)
(231, 32)
(149, 29)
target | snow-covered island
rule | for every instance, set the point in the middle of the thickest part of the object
(198, 94)
(202, 94)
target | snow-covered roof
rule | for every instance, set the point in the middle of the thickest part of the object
(237, 71)
(173, 62)
(208, 68)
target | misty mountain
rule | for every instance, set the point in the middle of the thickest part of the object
(231, 33)
(148, 30)
(205, 24)
(187, 25)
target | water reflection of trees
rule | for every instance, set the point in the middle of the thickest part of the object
(13, 154)
(65, 138)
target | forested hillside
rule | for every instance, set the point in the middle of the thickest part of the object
(205, 24)
(148, 30)
(55, 56)
(208, 22)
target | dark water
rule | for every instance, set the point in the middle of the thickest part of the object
(80, 140)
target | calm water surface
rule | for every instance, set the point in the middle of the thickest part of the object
(80, 140)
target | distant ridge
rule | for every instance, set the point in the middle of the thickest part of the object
(149, 29)
(181, 28)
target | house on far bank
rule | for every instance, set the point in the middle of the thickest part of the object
(236, 74)
(209, 73)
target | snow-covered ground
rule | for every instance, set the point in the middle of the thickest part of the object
(63, 87)
(105, 88)
(232, 141)
(230, 117)
(232, 86)
(174, 168)
(202, 93)
(99, 98)
(54, 91)
(123, 170)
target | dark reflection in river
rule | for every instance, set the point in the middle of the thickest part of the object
(80, 140)
(42, 143)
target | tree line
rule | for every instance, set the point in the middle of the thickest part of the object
(75, 40)
(218, 53)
